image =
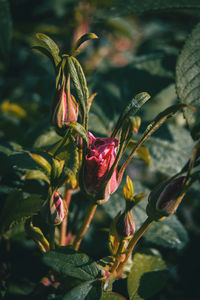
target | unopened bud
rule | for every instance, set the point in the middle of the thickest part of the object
(57, 209)
(65, 107)
(54, 211)
(125, 225)
(165, 199)
(137, 123)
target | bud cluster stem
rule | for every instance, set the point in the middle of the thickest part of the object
(117, 257)
(134, 241)
(63, 229)
(86, 223)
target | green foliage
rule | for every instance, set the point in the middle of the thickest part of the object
(72, 263)
(131, 109)
(65, 149)
(168, 153)
(148, 275)
(18, 206)
(112, 296)
(187, 80)
(48, 47)
(5, 29)
(87, 290)
(80, 83)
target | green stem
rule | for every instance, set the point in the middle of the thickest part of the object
(63, 229)
(117, 257)
(52, 237)
(134, 241)
(86, 223)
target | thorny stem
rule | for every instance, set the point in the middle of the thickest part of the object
(134, 241)
(88, 218)
(117, 257)
(63, 229)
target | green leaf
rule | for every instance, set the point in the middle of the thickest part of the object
(79, 82)
(84, 38)
(112, 296)
(147, 277)
(66, 150)
(48, 47)
(79, 292)
(72, 263)
(18, 206)
(46, 139)
(88, 290)
(187, 79)
(42, 162)
(169, 233)
(5, 29)
(80, 130)
(57, 169)
(168, 152)
(131, 109)
(37, 174)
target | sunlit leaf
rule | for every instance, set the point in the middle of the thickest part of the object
(37, 174)
(84, 38)
(40, 160)
(79, 82)
(47, 46)
(131, 109)
(80, 130)
(148, 275)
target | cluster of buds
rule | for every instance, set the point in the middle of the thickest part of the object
(123, 225)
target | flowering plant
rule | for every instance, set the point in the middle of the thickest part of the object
(96, 196)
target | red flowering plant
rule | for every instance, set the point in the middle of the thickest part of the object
(78, 163)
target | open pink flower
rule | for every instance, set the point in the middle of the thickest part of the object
(99, 160)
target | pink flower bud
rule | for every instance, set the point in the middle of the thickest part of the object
(164, 199)
(53, 210)
(99, 160)
(125, 225)
(57, 209)
(65, 108)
